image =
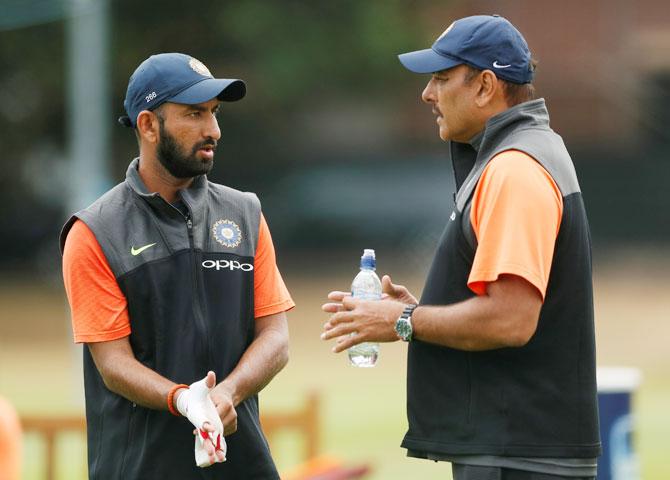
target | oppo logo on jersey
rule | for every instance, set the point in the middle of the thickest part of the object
(228, 265)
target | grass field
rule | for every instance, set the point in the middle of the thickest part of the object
(363, 410)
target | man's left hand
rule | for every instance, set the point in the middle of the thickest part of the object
(223, 401)
(371, 321)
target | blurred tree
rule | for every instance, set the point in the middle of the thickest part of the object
(324, 88)
(297, 57)
(300, 59)
(32, 130)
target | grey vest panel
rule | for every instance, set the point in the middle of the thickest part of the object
(533, 137)
(127, 218)
(229, 205)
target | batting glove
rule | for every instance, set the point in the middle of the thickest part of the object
(195, 404)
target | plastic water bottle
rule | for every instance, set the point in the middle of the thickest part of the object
(366, 286)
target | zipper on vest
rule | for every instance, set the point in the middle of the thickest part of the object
(197, 307)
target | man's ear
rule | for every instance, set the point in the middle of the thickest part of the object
(488, 87)
(148, 126)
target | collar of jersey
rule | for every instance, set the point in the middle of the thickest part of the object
(193, 196)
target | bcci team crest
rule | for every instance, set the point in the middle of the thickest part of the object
(199, 67)
(227, 233)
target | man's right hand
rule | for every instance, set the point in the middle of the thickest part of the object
(195, 404)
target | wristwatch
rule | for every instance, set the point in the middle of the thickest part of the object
(403, 326)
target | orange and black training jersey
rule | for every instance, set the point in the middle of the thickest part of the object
(99, 309)
(518, 211)
(185, 285)
(515, 216)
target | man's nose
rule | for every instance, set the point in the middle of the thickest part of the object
(212, 129)
(428, 94)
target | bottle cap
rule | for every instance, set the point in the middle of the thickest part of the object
(368, 259)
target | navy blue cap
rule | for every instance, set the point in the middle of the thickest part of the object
(485, 42)
(177, 78)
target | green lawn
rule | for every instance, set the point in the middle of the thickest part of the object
(363, 417)
(362, 410)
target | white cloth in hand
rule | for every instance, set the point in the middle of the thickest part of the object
(201, 456)
(196, 405)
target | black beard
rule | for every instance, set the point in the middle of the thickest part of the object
(176, 162)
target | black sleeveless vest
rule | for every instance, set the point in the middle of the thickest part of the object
(538, 400)
(191, 305)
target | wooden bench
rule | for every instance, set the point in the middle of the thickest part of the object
(305, 421)
(49, 429)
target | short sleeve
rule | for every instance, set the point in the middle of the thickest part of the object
(516, 214)
(99, 309)
(270, 293)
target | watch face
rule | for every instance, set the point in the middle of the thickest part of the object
(404, 329)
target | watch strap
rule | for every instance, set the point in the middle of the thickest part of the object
(404, 323)
(409, 309)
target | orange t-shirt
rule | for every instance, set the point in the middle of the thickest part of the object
(99, 308)
(516, 214)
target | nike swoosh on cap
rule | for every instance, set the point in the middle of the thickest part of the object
(136, 251)
(497, 65)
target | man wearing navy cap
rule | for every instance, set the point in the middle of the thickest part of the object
(173, 286)
(501, 357)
